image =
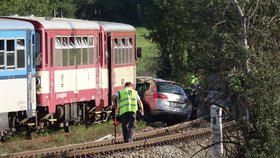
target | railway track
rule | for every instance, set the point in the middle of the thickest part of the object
(176, 133)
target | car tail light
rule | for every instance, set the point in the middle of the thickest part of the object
(160, 96)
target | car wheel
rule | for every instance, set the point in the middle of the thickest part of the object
(147, 114)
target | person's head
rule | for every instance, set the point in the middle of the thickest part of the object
(128, 84)
(198, 71)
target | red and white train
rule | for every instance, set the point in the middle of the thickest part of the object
(79, 65)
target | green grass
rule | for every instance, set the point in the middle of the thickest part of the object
(141, 38)
(146, 66)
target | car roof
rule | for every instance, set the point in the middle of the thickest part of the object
(142, 79)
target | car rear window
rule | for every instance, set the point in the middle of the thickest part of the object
(170, 88)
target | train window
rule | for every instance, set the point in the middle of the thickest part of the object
(2, 64)
(85, 56)
(130, 50)
(130, 41)
(11, 54)
(126, 42)
(10, 60)
(91, 55)
(78, 56)
(58, 57)
(20, 59)
(123, 56)
(115, 50)
(115, 43)
(1, 45)
(85, 42)
(119, 51)
(127, 55)
(20, 44)
(116, 59)
(20, 53)
(123, 50)
(71, 51)
(33, 50)
(65, 55)
(91, 50)
(119, 42)
(78, 50)
(58, 42)
(85, 50)
(39, 59)
(65, 41)
(119, 56)
(11, 45)
(72, 41)
(38, 49)
(71, 57)
(91, 41)
(58, 50)
(123, 41)
(78, 41)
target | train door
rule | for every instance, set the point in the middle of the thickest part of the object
(110, 66)
(31, 104)
(98, 68)
(49, 62)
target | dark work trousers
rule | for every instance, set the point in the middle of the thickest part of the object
(128, 121)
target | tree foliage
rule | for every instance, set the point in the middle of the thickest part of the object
(166, 23)
(110, 10)
(210, 35)
(126, 11)
(64, 8)
(204, 34)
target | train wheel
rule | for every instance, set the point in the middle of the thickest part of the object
(3, 139)
(66, 127)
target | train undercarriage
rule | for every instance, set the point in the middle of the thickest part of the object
(86, 113)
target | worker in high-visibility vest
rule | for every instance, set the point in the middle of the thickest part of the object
(127, 100)
(195, 79)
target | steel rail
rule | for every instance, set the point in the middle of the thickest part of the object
(162, 140)
(105, 150)
(89, 145)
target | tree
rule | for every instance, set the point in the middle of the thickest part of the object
(109, 10)
(165, 20)
(211, 35)
(261, 82)
(37, 7)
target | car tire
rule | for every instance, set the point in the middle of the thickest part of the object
(147, 114)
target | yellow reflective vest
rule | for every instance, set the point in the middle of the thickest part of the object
(194, 80)
(127, 101)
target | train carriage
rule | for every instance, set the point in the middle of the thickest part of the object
(79, 65)
(17, 75)
(67, 68)
(120, 48)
